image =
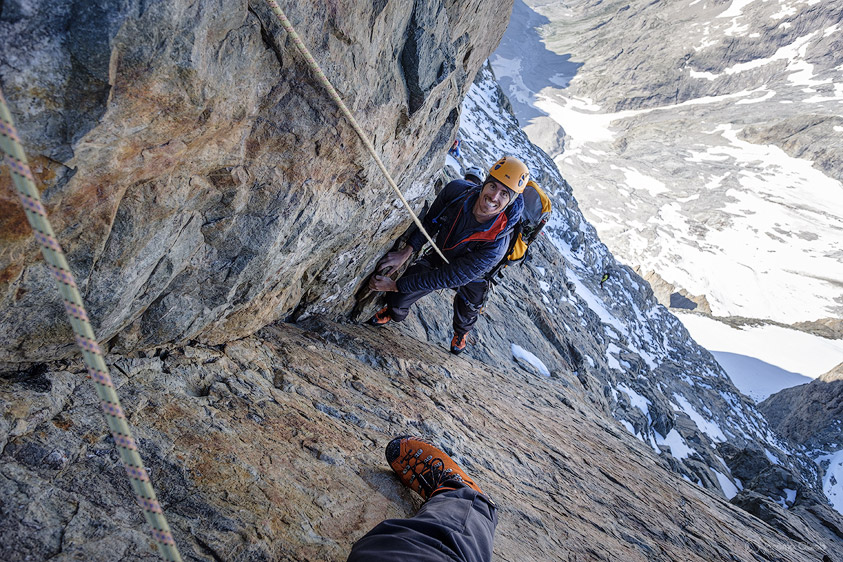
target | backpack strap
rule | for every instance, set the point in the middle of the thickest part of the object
(445, 215)
(497, 271)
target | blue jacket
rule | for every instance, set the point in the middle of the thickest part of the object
(472, 249)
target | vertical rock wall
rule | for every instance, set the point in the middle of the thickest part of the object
(200, 181)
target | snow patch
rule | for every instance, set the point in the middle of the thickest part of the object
(761, 360)
(726, 484)
(706, 426)
(833, 478)
(678, 448)
(635, 399)
(735, 9)
(520, 353)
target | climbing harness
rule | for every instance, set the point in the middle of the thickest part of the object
(85, 338)
(317, 71)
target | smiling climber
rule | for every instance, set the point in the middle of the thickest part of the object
(471, 224)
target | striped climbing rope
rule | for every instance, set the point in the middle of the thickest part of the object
(85, 339)
(317, 71)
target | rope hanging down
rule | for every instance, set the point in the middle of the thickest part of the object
(50, 248)
(311, 62)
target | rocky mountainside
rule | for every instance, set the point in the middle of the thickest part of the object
(208, 191)
(656, 381)
(702, 139)
(810, 416)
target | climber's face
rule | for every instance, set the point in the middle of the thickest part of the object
(494, 197)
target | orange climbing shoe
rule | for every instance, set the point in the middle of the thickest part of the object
(458, 343)
(424, 468)
(381, 317)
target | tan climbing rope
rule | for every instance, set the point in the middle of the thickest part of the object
(85, 339)
(317, 71)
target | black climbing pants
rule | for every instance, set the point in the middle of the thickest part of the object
(468, 302)
(452, 525)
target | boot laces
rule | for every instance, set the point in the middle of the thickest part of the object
(430, 471)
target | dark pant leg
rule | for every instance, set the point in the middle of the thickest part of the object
(468, 302)
(400, 303)
(452, 525)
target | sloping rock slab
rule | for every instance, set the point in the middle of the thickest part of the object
(271, 448)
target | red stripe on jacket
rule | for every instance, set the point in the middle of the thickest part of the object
(485, 236)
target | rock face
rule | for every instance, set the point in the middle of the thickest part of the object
(811, 417)
(835, 374)
(194, 226)
(808, 412)
(671, 297)
(202, 183)
(271, 448)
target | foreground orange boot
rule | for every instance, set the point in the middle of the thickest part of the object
(424, 468)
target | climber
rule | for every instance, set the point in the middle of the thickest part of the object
(455, 149)
(456, 522)
(472, 226)
(475, 175)
(604, 279)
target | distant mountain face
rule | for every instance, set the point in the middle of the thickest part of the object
(811, 416)
(702, 139)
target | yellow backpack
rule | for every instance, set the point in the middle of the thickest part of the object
(535, 215)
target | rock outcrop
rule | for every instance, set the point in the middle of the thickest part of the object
(810, 416)
(202, 183)
(835, 374)
(671, 297)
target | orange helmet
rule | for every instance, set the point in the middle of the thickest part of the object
(511, 172)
